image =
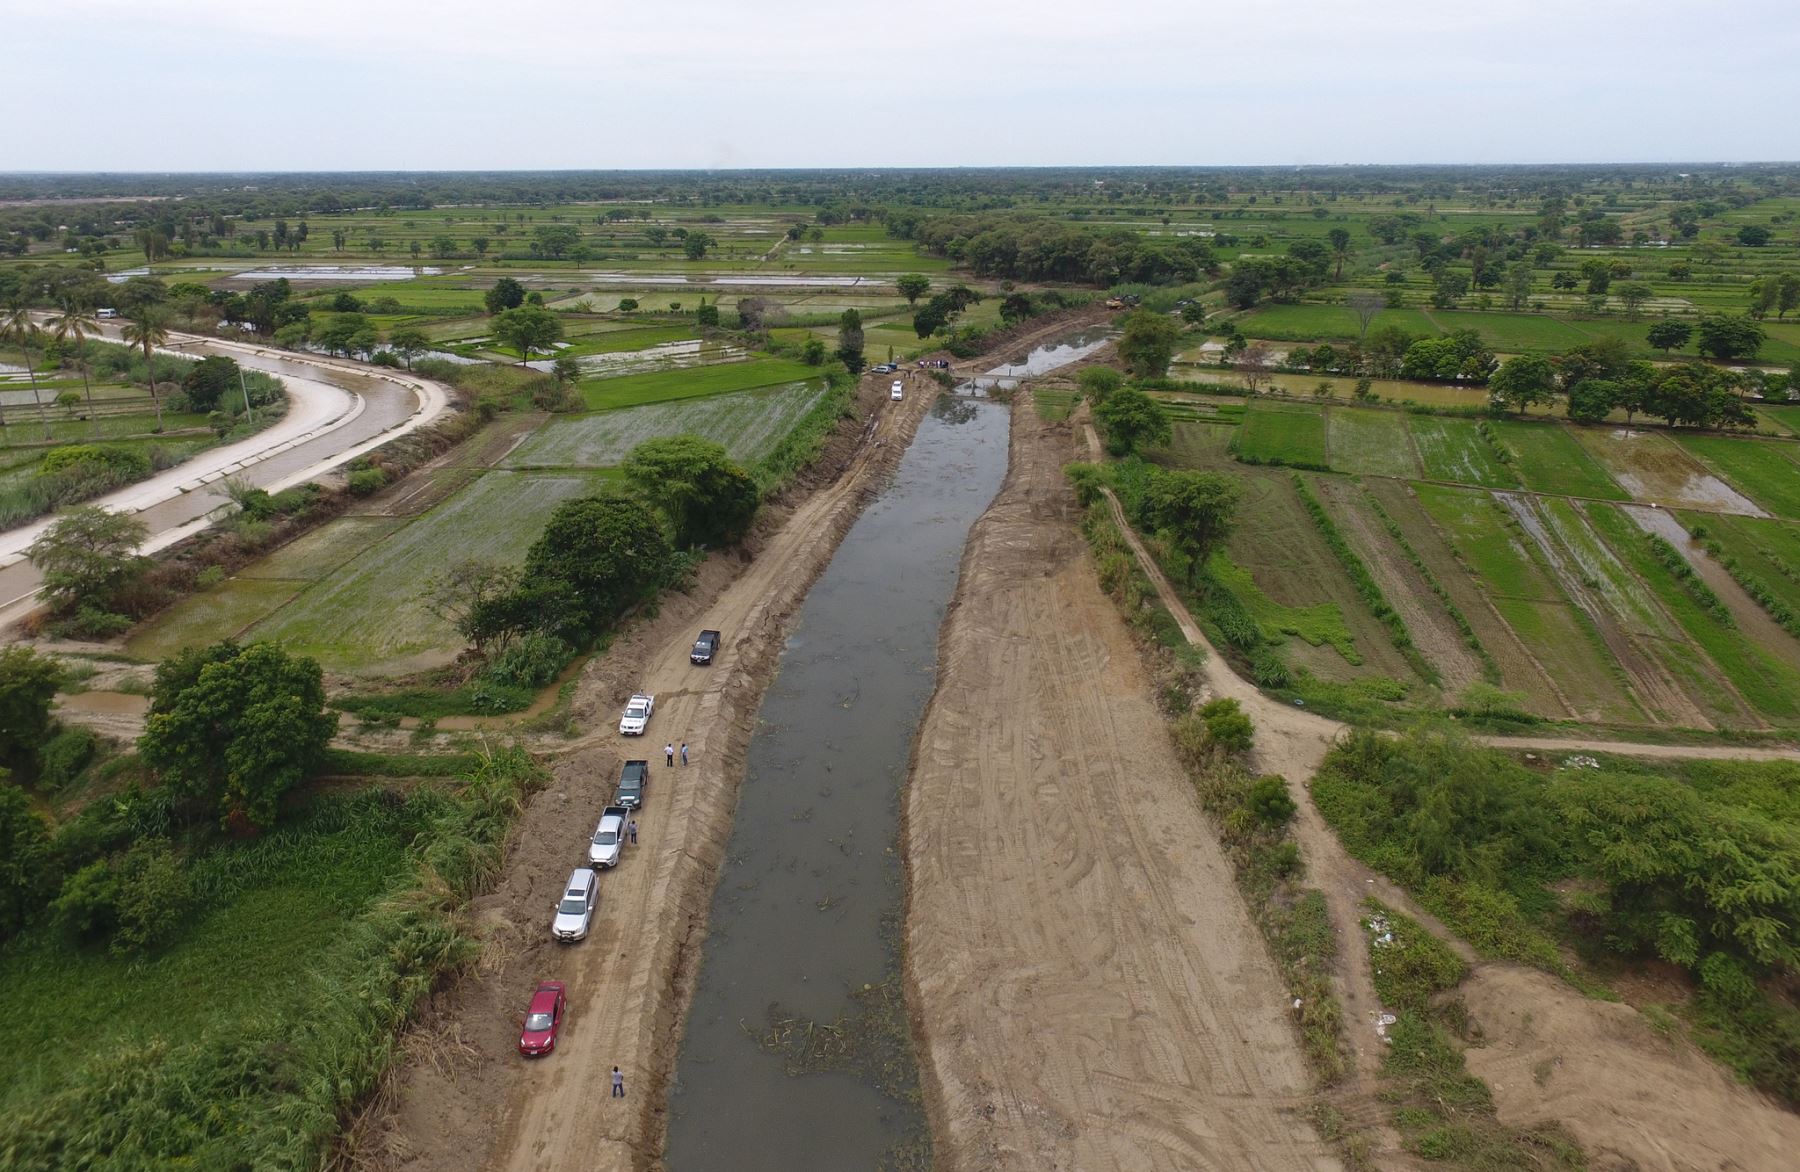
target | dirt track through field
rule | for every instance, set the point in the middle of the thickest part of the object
(629, 981)
(1090, 990)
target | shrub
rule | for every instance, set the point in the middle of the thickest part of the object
(530, 662)
(152, 899)
(65, 755)
(1228, 727)
(88, 907)
(368, 481)
(1269, 801)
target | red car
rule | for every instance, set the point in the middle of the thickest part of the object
(543, 1019)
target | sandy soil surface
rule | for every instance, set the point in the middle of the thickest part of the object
(464, 1099)
(1600, 1068)
(1089, 990)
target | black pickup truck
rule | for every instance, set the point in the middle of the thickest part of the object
(704, 647)
(632, 780)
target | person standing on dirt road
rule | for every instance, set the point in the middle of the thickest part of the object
(684, 754)
(670, 750)
(631, 831)
(618, 1091)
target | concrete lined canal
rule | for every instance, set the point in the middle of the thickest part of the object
(796, 1053)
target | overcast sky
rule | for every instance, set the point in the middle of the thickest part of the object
(174, 85)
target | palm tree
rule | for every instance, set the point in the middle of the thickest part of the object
(17, 324)
(77, 323)
(149, 328)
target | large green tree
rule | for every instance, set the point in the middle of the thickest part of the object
(506, 294)
(235, 727)
(1727, 336)
(86, 555)
(28, 683)
(596, 556)
(1147, 343)
(527, 329)
(913, 286)
(148, 327)
(1132, 419)
(707, 499)
(850, 341)
(1522, 381)
(1669, 334)
(1194, 511)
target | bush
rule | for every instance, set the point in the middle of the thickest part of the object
(368, 481)
(1228, 727)
(1270, 802)
(152, 899)
(65, 755)
(530, 662)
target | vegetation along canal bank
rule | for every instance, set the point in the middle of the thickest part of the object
(799, 977)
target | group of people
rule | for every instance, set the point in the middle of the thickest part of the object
(669, 752)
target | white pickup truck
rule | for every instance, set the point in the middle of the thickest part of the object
(637, 715)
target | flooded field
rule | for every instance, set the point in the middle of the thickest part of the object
(1041, 360)
(667, 356)
(797, 1052)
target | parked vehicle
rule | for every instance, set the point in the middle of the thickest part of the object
(543, 1021)
(632, 780)
(705, 647)
(575, 914)
(609, 837)
(884, 368)
(897, 391)
(637, 715)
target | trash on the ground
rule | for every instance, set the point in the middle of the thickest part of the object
(1581, 762)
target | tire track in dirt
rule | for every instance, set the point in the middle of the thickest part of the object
(1088, 989)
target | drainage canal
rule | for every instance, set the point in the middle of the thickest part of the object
(797, 1053)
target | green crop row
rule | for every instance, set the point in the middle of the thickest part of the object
(1490, 669)
(1367, 588)
(1678, 566)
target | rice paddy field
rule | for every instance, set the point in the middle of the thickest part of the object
(749, 424)
(1504, 548)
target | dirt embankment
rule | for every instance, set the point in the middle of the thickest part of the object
(463, 1099)
(1088, 989)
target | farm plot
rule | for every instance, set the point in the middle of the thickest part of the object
(1527, 598)
(370, 611)
(1455, 450)
(1767, 683)
(1649, 466)
(1548, 459)
(1766, 550)
(1520, 672)
(1663, 673)
(1298, 587)
(748, 423)
(659, 386)
(1763, 470)
(678, 355)
(313, 555)
(1291, 436)
(1370, 443)
(1313, 323)
(224, 612)
(1513, 333)
(1204, 446)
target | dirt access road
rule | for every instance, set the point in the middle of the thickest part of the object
(1635, 1099)
(1088, 989)
(464, 1099)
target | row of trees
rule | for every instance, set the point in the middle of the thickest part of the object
(1033, 248)
(1599, 377)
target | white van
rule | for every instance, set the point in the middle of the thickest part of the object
(896, 391)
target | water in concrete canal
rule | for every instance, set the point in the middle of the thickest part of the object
(797, 1053)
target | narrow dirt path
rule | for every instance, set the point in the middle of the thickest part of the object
(1634, 1098)
(630, 981)
(1088, 989)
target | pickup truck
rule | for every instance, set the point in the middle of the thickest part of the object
(704, 647)
(637, 715)
(609, 837)
(632, 780)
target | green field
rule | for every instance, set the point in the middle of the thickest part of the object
(223, 612)
(1529, 600)
(635, 389)
(1369, 442)
(748, 423)
(1273, 434)
(1765, 550)
(1549, 460)
(1453, 449)
(370, 611)
(1766, 471)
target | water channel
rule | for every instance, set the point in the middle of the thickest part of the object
(797, 1053)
